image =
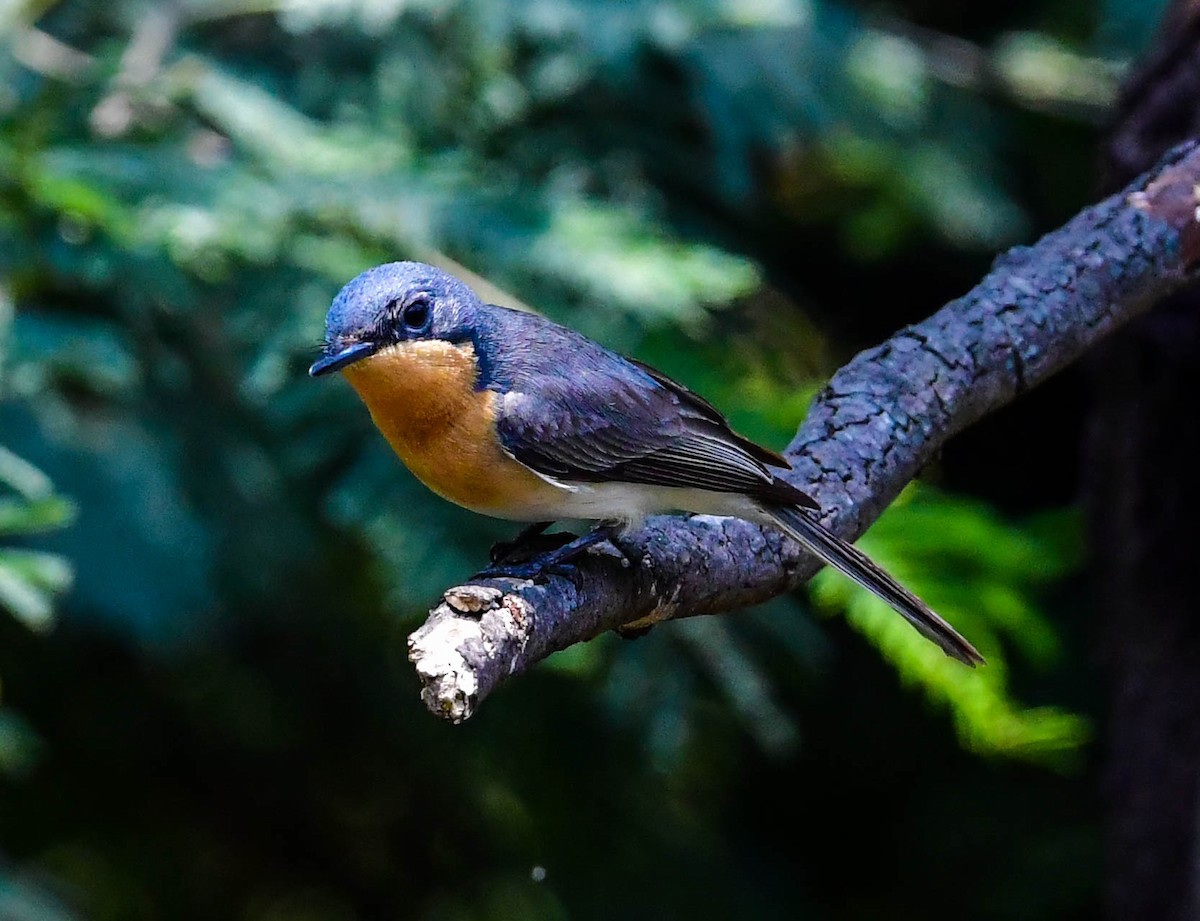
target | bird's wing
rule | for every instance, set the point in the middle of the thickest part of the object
(610, 420)
(698, 409)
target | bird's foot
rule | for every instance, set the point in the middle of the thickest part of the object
(558, 561)
(527, 545)
(534, 570)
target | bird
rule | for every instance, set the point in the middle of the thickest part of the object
(512, 415)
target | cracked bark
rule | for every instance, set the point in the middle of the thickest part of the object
(880, 419)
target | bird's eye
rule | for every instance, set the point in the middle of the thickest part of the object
(415, 314)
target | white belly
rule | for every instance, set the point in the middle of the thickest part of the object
(629, 503)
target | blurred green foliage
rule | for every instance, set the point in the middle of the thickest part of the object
(29, 580)
(738, 191)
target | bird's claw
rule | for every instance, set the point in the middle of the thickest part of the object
(533, 570)
(525, 548)
(558, 561)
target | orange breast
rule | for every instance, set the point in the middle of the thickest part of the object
(422, 397)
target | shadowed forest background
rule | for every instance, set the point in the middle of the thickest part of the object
(209, 562)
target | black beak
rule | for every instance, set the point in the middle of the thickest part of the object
(338, 360)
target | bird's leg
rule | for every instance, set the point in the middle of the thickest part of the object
(504, 549)
(554, 559)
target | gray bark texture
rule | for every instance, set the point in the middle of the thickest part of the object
(881, 418)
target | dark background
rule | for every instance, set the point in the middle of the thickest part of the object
(209, 562)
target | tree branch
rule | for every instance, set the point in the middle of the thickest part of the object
(881, 418)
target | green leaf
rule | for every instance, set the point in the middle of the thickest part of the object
(22, 477)
(21, 517)
(29, 583)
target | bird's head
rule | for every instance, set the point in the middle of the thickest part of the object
(393, 304)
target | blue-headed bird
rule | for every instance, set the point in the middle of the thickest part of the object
(512, 415)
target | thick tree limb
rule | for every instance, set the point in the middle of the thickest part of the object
(880, 419)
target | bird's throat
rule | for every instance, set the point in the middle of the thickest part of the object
(416, 390)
